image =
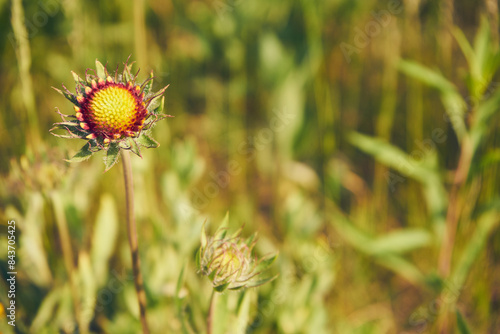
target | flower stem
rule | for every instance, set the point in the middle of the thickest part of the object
(211, 310)
(132, 239)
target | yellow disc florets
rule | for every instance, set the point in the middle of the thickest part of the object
(112, 110)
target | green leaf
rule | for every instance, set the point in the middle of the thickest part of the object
(266, 261)
(222, 287)
(46, 309)
(134, 147)
(84, 153)
(156, 105)
(464, 44)
(69, 96)
(462, 324)
(455, 108)
(146, 141)
(203, 236)
(178, 298)
(391, 156)
(363, 243)
(104, 237)
(454, 104)
(401, 241)
(225, 221)
(243, 313)
(79, 82)
(424, 171)
(426, 75)
(484, 114)
(112, 155)
(198, 258)
(484, 228)
(254, 284)
(100, 70)
(88, 286)
(402, 267)
(482, 47)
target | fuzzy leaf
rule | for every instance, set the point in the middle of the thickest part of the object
(156, 105)
(266, 262)
(255, 284)
(222, 287)
(67, 95)
(198, 259)
(111, 156)
(134, 147)
(77, 79)
(147, 141)
(84, 153)
(101, 71)
(203, 236)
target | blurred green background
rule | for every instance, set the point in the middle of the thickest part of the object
(359, 138)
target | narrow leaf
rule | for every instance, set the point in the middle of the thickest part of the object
(257, 283)
(391, 156)
(134, 147)
(485, 227)
(426, 75)
(146, 141)
(178, 298)
(266, 261)
(203, 236)
(243, 315)
(462, 324)
(84, 153)
(111, 156)
(104, 237)
(101, 71)
(401, 241)
(464, 44)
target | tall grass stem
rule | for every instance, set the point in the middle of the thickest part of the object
(23, 54)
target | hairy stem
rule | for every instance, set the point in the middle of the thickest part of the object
(132, 239)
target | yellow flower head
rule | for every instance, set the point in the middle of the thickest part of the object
(111, 113)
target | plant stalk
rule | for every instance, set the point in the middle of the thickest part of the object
(211, 310)
(452, 217)
(132, 239)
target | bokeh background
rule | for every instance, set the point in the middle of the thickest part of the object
(358, 138)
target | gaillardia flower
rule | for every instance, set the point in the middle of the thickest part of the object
(228, 261)
(111, 113)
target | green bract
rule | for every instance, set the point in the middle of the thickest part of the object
(111, 113)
